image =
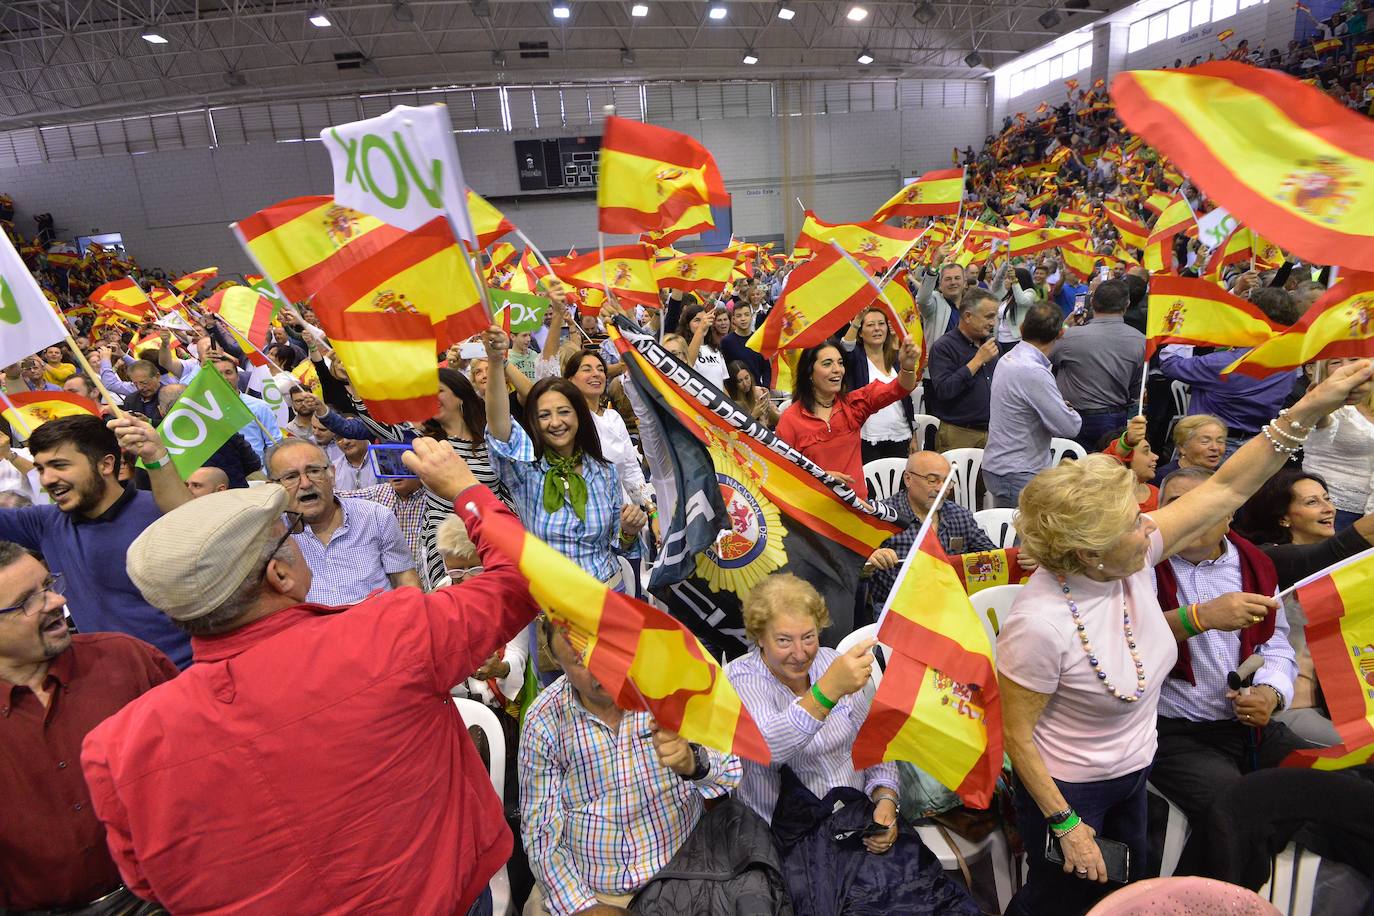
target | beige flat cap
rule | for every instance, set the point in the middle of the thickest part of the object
(191, 560)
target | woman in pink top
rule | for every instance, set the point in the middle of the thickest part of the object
(1083, 653)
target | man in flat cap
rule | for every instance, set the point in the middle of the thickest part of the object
(309, 761)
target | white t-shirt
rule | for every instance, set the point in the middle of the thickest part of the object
(888, 424)
(711, 365)
(619, 449)
(1085, 734)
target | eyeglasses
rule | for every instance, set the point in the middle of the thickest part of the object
(931, 479)
(457, 575)
(292, 479)
(296, 526)
(36, 601)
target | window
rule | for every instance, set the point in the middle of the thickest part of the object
(1056, 68)
(1158, 25)
(1085, 57)
(1223, 9)
(1202, 12)
(1138, 37)
(1178, 20)
(1246, 4)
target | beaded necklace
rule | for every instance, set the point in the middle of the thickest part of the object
(1092, 656)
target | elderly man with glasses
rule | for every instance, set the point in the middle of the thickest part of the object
(353, 546)
(955, 526)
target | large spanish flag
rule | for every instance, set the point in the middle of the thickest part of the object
(1235, 249)
(933, 194)
(391, 361)
(1339, 605)
(821, 296)
(696, 218)
(937, 705)
(1186, 310)
(627, 269)
(876, 246)
(644, 658)
(34, 408)
(488, 222)
(1078, 262)
(244, 309)
(650, 176)
(1285, 158)
(696, 273)
(1339, 324)
(123, 293)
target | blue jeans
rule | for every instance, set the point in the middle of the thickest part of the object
(1097, 425)
(1006, 488)
(1115, 808)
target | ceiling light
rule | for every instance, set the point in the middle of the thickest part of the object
(750, 58)
(785, 12)
(924, 12)
(717, 11)
(627, 56)
(561, 11)
(865, 58)
(639, 10)
(856, 14)
(319, 20)
(401, 11)
(153, 38)
(498, 58)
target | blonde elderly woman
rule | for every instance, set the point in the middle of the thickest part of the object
(805, 699)
(1086, 647)
(1199, 441)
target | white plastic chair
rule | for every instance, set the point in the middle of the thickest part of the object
(967, 462)
(1065, 448)
(868, 631)
(1176, 832)
(1292, 880)
(997, 523)
(884, 476)
(472, 714)
(918, 398)
(923, 433)
(1183, 395)
(993, 605)
(629, 572)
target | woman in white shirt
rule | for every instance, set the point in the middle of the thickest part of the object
(587, 372)
(697, 324)
(1341, 452)
(873, 358)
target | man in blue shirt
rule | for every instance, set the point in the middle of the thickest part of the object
(961, 366)
(87, 530)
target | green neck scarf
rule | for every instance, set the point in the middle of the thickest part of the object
(564, 483)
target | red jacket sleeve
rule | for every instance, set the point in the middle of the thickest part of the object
(477, 617)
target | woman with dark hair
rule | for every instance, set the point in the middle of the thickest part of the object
(566, 492)
(825, 417)
(587, 372)
(745, 391)
(461, 422)
(1292, 519)
(703, 343)
(870, 355)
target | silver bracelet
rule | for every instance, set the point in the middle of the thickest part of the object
(1294, 424)
(1279, 447)
(1287, 435)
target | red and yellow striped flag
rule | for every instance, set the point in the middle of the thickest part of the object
(503, 256)
(1225, 34)
(874, 245)
(390, 358)
(1284, 158)
(1132, 233)
(1030, 239)
(627, 269)
(937, 705)
(988, 568)
(1235, 249)
(1039, 200)
(650, 176)
(1339, 605)
(1339, 324)
(821, 296)
(1186, 310)
(1176, 216)
(190, 284)
(1073, 219)
(246, 310)
(933, 194)
(1078, 262)
(903, 313)
(644, 658)
(696, 273)
(34, 408)
(696, 218)
(488, 222)
(1327, 44)
(122, 294)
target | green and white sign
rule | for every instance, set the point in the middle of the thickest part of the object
(526, 309)
(202, 419)
(401, 167)
(27, 322)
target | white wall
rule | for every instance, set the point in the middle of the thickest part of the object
(841, 147)
(1269, 24)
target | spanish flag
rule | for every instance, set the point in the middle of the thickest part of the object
(644, 658)
(651, 176)
(488, 222)
(1028, 240)
(190, 284)
(1339, 324)
(874, 245)
(122, 294)
(937, 705)
(696, 218)
(1329, 44)
(1133, 234)
(821, 296)
(1073, 219)
(1078, 262)
(245, 310)
(1186, 310)
(34, 408)
(1286, 159)
(1176, 216)
(1039, 200)
(1339, 605)
(988, 568)
(1225, 34)
(1235, 249)
(502, 257)
(933, 194)
(695, 273)
(1156, 201)
(627, 269)
(903, 313)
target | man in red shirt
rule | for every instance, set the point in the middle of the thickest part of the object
(310, 761)
(54, 688)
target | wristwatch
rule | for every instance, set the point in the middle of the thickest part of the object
(703, 764)
(1278, 707)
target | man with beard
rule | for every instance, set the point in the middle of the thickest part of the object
(353, 547)
(93, 520)
(53, 855)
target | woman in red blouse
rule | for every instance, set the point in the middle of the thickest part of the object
(824, 419)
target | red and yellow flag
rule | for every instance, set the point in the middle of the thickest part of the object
(1284, 158)
(1176, 216)
(1235, 249)
(488, 222)
(874, 245)
(34, 408)
(933, 194)
(246, 310)
(821, 296)
(1030, 239)
(190, 284)
(627, 269)
(390, 359)
(644, 658)
(503, 256)
(989, 568)
(650, 176)
(937, 705)
(1327, 44)
(696, 218)
(1339, 605)
(696, 273)
(122, 293)
(1078, 262)
(1339, 324)
(1133, 234)
(1186, 310)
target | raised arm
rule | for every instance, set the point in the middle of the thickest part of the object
(498, 404)
(139, 438)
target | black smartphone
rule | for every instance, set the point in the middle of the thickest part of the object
(386, 460)
(1115, 854)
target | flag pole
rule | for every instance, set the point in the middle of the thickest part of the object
(18, 417)
(1144, 377)
(915, 546)
(115, 406)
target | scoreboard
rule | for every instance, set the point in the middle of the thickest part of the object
(567, 163)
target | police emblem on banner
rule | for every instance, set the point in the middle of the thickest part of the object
(752, 547)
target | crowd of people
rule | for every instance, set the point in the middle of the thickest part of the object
(231, 692)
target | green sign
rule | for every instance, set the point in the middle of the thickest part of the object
(526, 310)
(202, 419)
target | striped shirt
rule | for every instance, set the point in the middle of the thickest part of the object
(818, 751)
(1216, 652)
(409, 512)
(599, 813)
(587, 543)
(363, 551)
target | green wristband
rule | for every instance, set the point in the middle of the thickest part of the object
(821, 698)
(153, 465)
(1061, 829)
(1187, 624)
(1125, 449)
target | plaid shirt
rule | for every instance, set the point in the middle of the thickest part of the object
(599, 813)
(955, 522)
(587, 543)
(410, 512)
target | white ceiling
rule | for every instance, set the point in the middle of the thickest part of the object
(69, 60)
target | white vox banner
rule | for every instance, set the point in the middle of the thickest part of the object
(401, 167)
